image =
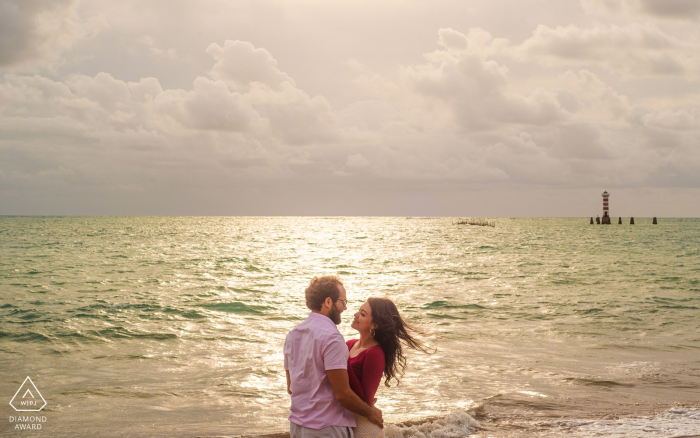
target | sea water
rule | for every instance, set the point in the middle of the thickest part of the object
(163, 326)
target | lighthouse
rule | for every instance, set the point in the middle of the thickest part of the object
(606, 210)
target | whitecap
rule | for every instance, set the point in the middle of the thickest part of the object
(454, 425)
(676, 422)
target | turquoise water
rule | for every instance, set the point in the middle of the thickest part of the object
(174, 326)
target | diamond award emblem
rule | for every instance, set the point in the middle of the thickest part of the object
(28, 398)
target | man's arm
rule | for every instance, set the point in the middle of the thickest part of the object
(289, 382)
(350, 400)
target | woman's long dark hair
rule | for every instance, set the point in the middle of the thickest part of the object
(391, 332)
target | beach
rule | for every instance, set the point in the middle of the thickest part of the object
(173, 326)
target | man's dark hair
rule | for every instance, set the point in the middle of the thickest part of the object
(321, 288)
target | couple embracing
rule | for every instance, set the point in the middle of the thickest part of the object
(332, 382)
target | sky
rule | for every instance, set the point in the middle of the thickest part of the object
(468, 108)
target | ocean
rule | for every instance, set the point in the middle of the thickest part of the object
(174, 326)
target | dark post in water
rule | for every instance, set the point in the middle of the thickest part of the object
(631, 221)
(654, 221)
(619, 221)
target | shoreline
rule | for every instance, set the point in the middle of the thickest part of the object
(492, 421)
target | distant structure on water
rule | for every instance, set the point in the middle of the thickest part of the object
(606, 210)
(479, 222)
(606, 213)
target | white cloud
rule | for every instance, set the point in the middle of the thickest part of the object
(461, 118)
(633, 50)
(593, 100)
(477, 88)
(210, 106)
(292, 114)
(214, 123)
(241, 64)
(150, 44)
(468, 113)
(674, 119)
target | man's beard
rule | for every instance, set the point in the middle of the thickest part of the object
(334, 315)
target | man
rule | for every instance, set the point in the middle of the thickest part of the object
(316, 361)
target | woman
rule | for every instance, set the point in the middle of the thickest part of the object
(378, 352)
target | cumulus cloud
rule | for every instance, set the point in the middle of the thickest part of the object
(231, 119)
(210, 106)
(292, 113)
(634, 50)
(242, 65)
(472, 124)
(593, 100)
(462, 115)
(40, 31)
(476, 87)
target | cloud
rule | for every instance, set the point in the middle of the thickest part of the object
(209, 106)
(357, 161)
(674, 9)
(673, 119)
(150, 43)
(670, 8)
(477, 88)
(292, 114)
(242, 65)
(39, 31)
(593, 100)
(105, 123)
(460, 117)
(466, 115)
(633, 50)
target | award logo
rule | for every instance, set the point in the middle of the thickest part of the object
(28, 398)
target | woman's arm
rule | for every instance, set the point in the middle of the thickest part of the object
(372, 370)
(350, 400)
(355, 383)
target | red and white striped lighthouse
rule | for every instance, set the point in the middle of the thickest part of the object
(606, 210)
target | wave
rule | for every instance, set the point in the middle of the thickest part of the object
(441, 304)
(26, 337)
(455, 424)
(595, 382)
(87, 336)
(149, 311)
(442, 316)
(238, 307)
(676, 422)
(679, 422)
(121, 332)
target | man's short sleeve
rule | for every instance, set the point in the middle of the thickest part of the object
(335, 355)
(286, 354)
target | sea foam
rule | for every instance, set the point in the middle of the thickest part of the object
(454, 425)
(676, 422)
